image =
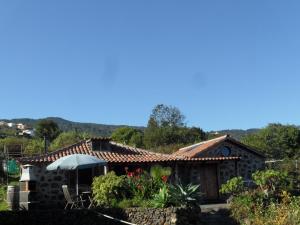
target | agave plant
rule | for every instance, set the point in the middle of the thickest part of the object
(188, 195)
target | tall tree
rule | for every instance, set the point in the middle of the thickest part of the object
(47, 129)
(67, 138)
(166, 126)
(34, 146)
(276, 141)
(164, 115)
(128, 136)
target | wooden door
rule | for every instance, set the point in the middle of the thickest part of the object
(209, 182)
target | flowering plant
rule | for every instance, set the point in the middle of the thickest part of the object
(144, 185)
(140, 183)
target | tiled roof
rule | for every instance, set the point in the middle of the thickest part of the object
(192, 150)
(117, 153)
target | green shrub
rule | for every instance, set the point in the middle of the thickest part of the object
(242, 206)
(271, 181)
(268, 204)
(3, 203)
(108, 189)
(233, 186)
(247, 210)
(159, 173)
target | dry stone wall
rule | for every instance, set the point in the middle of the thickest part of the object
(168, 216)
(140, 216)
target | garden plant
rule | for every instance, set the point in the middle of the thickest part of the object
(139, 188)
(268, 203)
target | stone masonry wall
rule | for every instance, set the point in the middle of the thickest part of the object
(167, 216)
(49, 185)
(140, 216)
(249, 162)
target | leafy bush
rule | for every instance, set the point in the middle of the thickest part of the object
(129, 136)
(160, 176)
(271, 181)
(188, 195)
(34, 146)
(67, 138)
(159, 173)
(242, 205)
(233, 186)
(3, 203)
(140, 189)
(247, 209)
(269, 203)
(108, 189)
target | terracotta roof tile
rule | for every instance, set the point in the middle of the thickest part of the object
(192, 150)
(118, 153)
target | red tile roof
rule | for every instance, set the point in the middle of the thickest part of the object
(193, 150)
(117, 153)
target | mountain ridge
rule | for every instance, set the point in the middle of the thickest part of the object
(98, 129)
(68, 125)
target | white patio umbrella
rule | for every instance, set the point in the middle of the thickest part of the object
(75, 162)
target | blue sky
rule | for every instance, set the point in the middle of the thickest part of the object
(224, 64)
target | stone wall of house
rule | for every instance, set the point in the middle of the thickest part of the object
(197, 173)
(49, 185)
(249, 162)
(140, 216)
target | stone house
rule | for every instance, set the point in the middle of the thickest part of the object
(211, 176)
(206, 163)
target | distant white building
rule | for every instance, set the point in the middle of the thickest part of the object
(11, 124)
(3, 124)
(29, 132)
(21, 126)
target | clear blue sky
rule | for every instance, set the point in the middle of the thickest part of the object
(224, 64)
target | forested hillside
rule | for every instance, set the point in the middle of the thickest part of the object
(106, 130)
(238, 133)
(93, 129)
(166, 132)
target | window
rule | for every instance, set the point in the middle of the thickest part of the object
(225, 151)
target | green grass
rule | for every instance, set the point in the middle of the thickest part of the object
(3, 204)
(12, 180)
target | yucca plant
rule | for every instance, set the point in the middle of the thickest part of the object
(188, 195)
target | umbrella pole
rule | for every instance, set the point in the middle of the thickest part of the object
(77, 182)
